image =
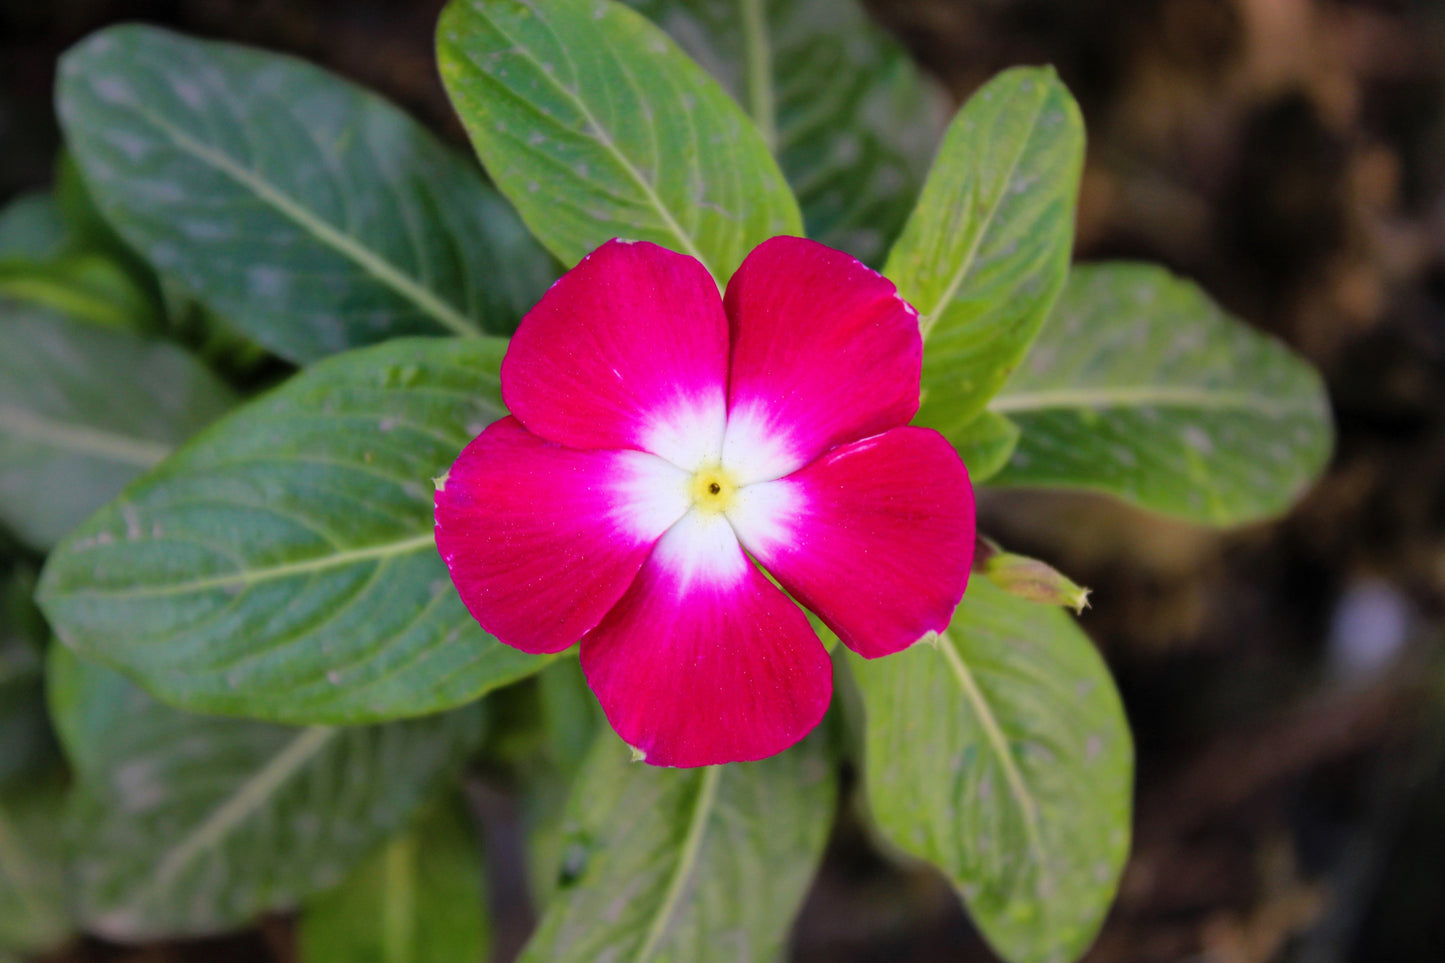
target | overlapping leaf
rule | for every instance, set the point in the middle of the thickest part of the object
(987, 249)
(83, 411)
(282, 565)
(1002, 756)
(189, 824)
(685, 865)
(595, 126)
(311, 214)
(418, 900)
(1140, 387)
(851, 119)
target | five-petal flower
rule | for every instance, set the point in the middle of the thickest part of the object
(663, 440)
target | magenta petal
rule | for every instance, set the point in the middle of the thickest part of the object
(542, 540)
(627, 350)
(824, 351)
(704, 661)
(876, 537)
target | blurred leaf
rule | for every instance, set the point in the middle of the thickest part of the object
(686, 865)
(186, 824)
(985, 444)
(31, 228)
(570, 712)
(595, 126)
(851, 119)
(1140, 387)
(26, 745)
(282, 565)
(83, 411)
(987, 248)
(85, 287)
(309, 213)
(1003, 757)
(33, 916)
(418, 900)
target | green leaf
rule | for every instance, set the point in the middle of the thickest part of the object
(851, 119)
(595, 125)
(1142, 388)
(33, 915)
(687, 865)
(83, 411)
(311, 214)
(282, 565)
(186, 824)
(570, 713)
(1003, 757)
(985, 444)
(418, 900)
(32, 228)
(987, 249)
(83, 286)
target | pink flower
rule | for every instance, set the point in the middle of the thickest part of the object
(661, 435)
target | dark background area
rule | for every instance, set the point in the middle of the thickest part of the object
(1284, 680)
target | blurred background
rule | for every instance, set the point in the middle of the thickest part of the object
(1284, 681)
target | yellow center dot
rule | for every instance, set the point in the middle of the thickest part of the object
(712, 489)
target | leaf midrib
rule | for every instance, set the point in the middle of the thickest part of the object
(82, 439)
(249, 797)
(244, 578)
(1138, 396)
(604, 138)
(930, 318)
(323, 231)
(993, 733)
(686, 862)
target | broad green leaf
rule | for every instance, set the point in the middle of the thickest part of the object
(985, 444)
(418, 900)
(987, 249)
(312, 214)
(1141, 387)
(686, 865)
(187, 824)
(851, 119)
(83, 411)
(282, 565)
(595, 125)
(33, 914)
(31, 228)
(1003, 757)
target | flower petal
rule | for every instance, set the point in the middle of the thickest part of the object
(824, 351)
(627, 350)
(704, 661)
(542, 540)
(876, 537)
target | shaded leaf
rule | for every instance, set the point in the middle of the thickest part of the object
(596, 126)
(851, 119)
(33, 915)
(83, 286)
(187, 824)
(1003, 757)
(987, 248)
(73, 431)
(311, 214)
(1142, 388)
(417, 900)
(687, 865)
(985, 444)
(32, 228)
(282, 565)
